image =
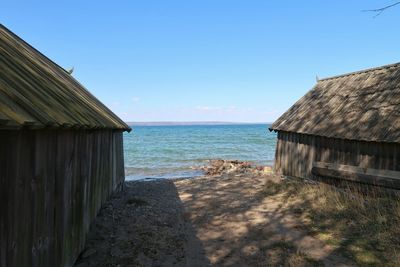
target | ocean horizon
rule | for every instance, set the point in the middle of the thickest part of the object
(178, 151)
(190, 123)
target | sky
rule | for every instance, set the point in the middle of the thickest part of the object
(208, 60)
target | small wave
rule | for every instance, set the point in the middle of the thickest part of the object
(171, 175)
(165, 152)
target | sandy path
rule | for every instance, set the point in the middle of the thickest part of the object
(143, 226)
(218, 221)
(239, 226)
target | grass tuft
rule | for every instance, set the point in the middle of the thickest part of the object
(284, 253)
(364, 225)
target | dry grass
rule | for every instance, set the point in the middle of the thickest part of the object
(284, 253)
(363, 225)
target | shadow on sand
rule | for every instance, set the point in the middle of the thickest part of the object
(221, 221)
(143, 226)
(240, 225)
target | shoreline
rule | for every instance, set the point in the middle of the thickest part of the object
(164, 176)
(218, 166)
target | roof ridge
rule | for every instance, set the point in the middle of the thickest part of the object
(30, 46)
(361, 71)
(87, 112)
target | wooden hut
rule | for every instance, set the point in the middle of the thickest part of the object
(61, 156)
(346, 127)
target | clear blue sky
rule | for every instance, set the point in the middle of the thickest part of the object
(205, 60)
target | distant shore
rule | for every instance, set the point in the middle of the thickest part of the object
(192, 123)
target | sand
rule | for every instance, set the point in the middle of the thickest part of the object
(222, 220)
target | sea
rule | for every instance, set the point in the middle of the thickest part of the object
(177, 151)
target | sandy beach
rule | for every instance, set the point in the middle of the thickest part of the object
(219, 220)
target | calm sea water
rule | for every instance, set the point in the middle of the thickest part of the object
(177, 151)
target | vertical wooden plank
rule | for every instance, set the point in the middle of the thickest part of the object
(277, 154)
(396, 158)
(52, 186)
(3, 200)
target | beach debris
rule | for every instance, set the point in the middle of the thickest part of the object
(220, 166)
(267, 170)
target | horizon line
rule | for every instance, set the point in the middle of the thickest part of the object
(190, 122)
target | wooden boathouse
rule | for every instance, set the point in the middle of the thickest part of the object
(346, 127)
(61, 157)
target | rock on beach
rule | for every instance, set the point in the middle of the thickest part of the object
(220, 166)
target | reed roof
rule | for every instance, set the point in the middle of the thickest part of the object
(37, 93)
(361, 105)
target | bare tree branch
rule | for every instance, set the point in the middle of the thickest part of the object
(382, 9)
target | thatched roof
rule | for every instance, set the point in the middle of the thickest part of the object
(362, 105)
(37, 93)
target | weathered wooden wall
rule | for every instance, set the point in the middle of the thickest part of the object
(296, 154)
(52, 184)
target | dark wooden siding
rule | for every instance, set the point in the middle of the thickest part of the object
(296, 153)
(52, 184)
